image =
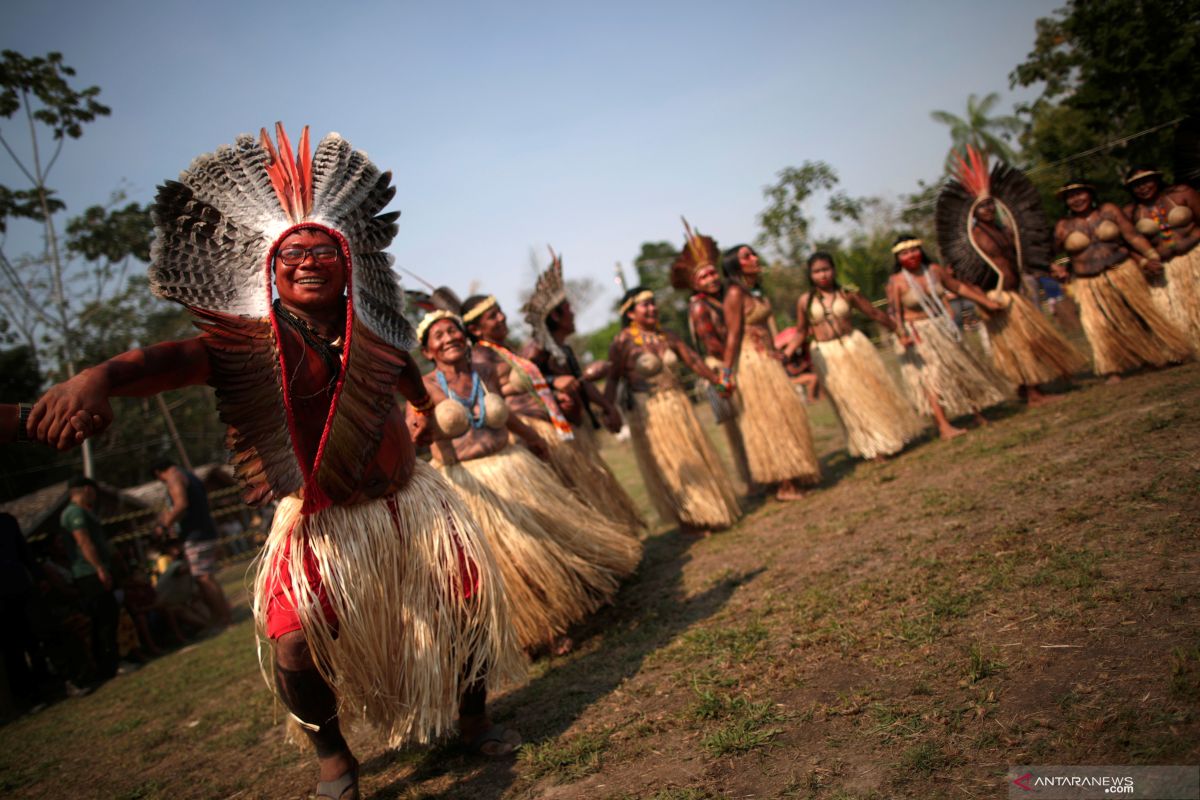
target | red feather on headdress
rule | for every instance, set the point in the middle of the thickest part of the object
(973, 172)
(291, 176)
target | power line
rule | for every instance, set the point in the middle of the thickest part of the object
(1082, 154)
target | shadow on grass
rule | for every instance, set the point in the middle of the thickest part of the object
(648, 614)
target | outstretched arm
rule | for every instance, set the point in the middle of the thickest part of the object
(868, 308)
(967, 290)
(690, 357)
(75, 409)
(800, 340)
(735, 324)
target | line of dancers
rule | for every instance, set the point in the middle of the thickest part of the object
(402, 591)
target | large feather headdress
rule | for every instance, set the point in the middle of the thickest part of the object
(698, 251)
(1017, 203)
(548, 294)
(217, 229)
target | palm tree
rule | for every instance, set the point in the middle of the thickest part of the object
(985, 133)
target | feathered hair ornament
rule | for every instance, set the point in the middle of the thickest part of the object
(698, 251)
(1018, 205)
(548, 294)
(217, 229)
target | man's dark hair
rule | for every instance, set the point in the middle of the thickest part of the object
(80, 481)
(160, 464)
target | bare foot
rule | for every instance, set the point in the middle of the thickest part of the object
(484, 738)
(562, 645)
(950, 432)
(1043, 400)
(1113, 379)
(787, 493)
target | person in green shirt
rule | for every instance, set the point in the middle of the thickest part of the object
(91, 565)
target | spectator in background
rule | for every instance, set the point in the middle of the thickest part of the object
(91, 567)
(189, 508)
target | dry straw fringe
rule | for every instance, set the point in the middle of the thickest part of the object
(584, 471)
(407, 642)
(1026, 348)
(560, 559)
(938, 364)
(1177, 294)
(773, 421)
(878, 420)
(1123, 326)
(683, 476)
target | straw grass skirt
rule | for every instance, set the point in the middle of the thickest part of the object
(878, 420)
(560, 559)
(1177, 294)
(421, 611)
(581, 468)
(773, 421)
(682, 473)
(1026, 348)
(940, 365)
(1124, 327)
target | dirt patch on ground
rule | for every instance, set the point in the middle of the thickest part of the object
(1026, 594)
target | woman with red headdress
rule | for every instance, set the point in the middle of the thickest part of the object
(1123, 325)
(992, 229)
(379, 595)
(771, 415)
(696, 270)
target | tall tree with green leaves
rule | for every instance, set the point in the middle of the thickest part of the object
(981, 130)
(786, 220)
(1108, 70)
(37, 90)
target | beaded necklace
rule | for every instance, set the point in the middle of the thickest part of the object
(636, 334)
(469, 403)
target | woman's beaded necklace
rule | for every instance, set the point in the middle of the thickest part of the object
(469, 403)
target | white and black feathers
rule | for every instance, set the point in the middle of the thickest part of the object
(1020, 209)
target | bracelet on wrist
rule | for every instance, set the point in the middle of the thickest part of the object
(23, 410)
(425, 407)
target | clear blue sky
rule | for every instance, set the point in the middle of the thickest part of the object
(508, 126)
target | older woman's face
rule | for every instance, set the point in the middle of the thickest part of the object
(446, 343)
(707, 280)
(310, 271)
(1079, 200)
(910, 258)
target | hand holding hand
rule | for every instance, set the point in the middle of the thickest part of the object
(71, 411)
(612, 419)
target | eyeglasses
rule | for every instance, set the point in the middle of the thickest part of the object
(322, 253)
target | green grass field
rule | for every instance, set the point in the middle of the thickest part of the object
(1026, 594)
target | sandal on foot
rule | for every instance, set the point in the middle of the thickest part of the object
(496, 742)
(343, 788)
